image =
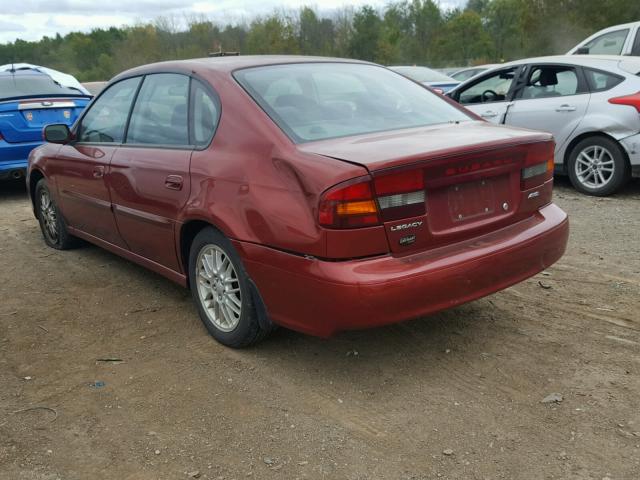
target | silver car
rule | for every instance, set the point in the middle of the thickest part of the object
(591, 104)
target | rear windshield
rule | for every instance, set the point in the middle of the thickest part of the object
(18, 86)
(317, 101)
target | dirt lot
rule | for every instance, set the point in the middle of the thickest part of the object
(453, 396)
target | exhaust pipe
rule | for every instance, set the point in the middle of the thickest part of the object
(16, 174)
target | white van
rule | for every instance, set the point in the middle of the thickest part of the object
(617, 40)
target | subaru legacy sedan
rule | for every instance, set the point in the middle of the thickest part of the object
(312, 193)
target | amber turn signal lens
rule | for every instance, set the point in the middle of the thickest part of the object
(356, 208)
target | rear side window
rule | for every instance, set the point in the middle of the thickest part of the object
(551, 81)
(608, 43)
(160, 115)
(635, 50)
(600, 81)
(106, 119)
(206, 112)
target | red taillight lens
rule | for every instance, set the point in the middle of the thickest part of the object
(400, 195)
(538, 166)
(630, 100)
(363, 203)
(349, 205)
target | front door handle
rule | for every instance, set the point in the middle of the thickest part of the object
(489, 114)
(98, 172)
(566, 108)
(174, 182)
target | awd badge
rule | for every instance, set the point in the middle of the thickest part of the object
(29, 116)
(67, 114)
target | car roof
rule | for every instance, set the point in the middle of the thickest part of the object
(626, 63)
(617, 27)
(22, 72)
(231, 63)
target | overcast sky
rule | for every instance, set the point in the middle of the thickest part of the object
(33, 19)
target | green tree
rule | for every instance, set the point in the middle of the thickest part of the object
(366, 34)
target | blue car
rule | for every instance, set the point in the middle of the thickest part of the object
(29, 100)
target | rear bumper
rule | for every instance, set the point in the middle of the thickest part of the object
(14, 157)
(632, 147)
(321, 298)
(13, 169)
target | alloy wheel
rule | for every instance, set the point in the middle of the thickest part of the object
(49, 215)
(594, 166)
(219, 288)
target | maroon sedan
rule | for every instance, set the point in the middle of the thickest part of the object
(317, 194)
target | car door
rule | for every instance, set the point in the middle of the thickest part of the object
(149, 174)
(80, 167)
(554, 98)
(489, 96)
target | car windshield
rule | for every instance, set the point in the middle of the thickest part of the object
(422, 74)
(32, 85)
(317, 101)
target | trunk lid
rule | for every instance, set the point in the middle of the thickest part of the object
(23, 120)
(473, 178)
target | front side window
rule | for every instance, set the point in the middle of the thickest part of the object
(551, 81)
(608, 44)
(493, 88)
(105, 121)
(160, 115)
(205, 114)
(317, 101)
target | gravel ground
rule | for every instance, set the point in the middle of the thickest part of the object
(457, 395)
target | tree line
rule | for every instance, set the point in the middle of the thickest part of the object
(403, 32)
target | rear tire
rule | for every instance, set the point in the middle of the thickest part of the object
(598, 166)
(53, 226)
(221, 290)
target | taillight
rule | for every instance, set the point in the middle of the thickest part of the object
(349, 205)
(400, 195)
(538, 166)
(630, 100)
(362, 202)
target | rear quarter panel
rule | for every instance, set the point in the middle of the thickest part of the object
(254, 184)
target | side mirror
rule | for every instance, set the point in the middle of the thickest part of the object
(582, 51)
(57, 133)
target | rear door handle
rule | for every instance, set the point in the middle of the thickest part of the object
(566, 108)
(489, 114)
(174, 182)
(98, 172)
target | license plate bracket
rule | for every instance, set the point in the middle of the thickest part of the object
(471, 200)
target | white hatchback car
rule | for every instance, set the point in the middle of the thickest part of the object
(591, 104)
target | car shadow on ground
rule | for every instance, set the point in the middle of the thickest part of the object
(630, 190)
(13, 189)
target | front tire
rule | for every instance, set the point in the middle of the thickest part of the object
(598, 166)
(221, 290)
(54, 229)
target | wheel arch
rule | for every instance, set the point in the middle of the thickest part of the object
(188, 232)
(569, 149)
(34, 177)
